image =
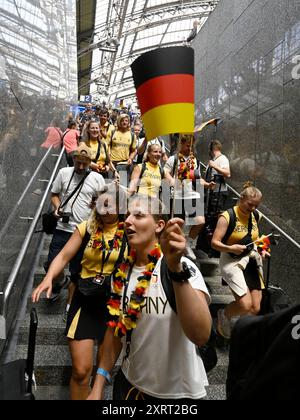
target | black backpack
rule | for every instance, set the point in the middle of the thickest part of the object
(207, 352)
(232, 222)
(100, 143)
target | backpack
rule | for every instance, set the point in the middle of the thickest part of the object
(207, 352)
(247, 239)
(232, 222)
(99, 151)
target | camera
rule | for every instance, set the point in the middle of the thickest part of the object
(65, 217)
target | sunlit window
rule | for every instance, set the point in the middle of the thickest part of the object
(120, 36)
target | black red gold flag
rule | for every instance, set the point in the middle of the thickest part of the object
(164, 82)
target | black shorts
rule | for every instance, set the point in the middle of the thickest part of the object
(87, 317)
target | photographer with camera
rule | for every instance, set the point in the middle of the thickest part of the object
(75, 186)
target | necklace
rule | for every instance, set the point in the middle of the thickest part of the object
(186, 167)
(114, 243)
(125, 320)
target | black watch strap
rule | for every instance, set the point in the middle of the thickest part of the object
(181, 276)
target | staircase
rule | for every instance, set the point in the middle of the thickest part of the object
(52, 358)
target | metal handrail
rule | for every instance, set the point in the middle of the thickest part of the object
(14, 210)
(14, 272)
(282, 232)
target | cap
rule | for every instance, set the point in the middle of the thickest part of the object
(83, 151)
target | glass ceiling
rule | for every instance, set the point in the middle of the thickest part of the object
(124, 29)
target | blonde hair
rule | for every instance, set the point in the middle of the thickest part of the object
(120, 118)
(118, 193)
(149, 149)
(185, 137)
(87, 131)
(250, 191)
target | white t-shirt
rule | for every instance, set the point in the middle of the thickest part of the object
(223, 163)
(139, 142)
(93, 183)
(162, 361)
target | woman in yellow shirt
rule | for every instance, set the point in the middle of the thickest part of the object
(241, 268)
(147, 177)
(101, 161)
(103, 248)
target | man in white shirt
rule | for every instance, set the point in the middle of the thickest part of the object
(218, 170)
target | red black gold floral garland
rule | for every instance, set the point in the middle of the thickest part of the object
(116, 242)
(263, 244)
(124, 321)
(186, 167)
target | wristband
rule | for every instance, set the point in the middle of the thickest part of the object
(104, 373)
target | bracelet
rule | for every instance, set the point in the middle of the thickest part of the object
(104, 373)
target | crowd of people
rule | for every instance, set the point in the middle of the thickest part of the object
(117, 231)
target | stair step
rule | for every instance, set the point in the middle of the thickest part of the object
(45, 321)
(44, 306)
(45, 336)
(50, 356)
(209, 267)
(216, 392)
(53, 393)
(62, 393)
(218, 375)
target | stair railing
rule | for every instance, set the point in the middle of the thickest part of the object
(269, 221)
(6, 293)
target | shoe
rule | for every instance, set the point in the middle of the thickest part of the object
(223, 325)
(54, 295)
(58, 286)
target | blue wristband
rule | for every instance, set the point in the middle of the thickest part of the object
(104, 373)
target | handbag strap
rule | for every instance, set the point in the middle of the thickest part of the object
(250, 225)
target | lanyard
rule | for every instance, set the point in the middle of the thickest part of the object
(128, 332)
(105, 258)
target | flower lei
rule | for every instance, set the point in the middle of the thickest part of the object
(263, 244)
(186, 168)
(115, 242)
(125, 321)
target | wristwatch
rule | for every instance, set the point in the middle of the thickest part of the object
(181, 276)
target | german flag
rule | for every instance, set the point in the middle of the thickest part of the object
(164, 82)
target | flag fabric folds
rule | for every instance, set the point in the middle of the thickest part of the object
(164, 82)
